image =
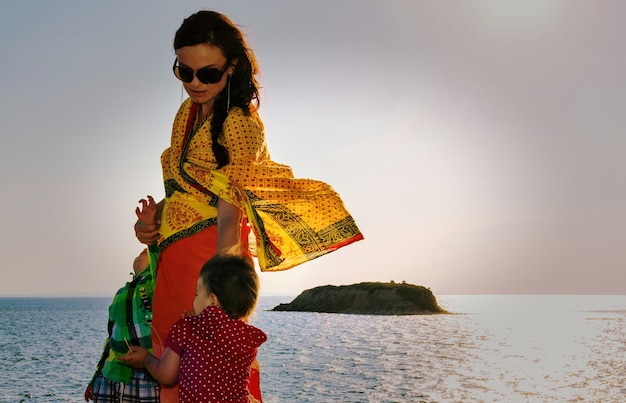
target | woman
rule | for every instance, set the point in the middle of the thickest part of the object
(220, 181)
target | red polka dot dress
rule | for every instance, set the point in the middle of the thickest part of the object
(216, 353)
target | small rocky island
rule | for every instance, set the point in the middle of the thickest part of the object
(366, 298)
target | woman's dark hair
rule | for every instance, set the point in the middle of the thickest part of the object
(234, 282)
(211, 27)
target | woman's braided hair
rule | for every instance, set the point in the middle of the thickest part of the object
(211, 27)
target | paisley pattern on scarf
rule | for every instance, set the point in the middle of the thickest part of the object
(293, 219)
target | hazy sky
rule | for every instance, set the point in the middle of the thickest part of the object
(479, 145)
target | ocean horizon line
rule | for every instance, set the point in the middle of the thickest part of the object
(275, 294)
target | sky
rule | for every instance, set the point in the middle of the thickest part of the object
(479, 145)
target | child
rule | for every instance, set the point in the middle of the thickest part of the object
(210, 354)
(130, 320)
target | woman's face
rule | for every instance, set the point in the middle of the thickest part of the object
(199, 56)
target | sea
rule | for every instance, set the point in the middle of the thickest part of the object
(489, 348)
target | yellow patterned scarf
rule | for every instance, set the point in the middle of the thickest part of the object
(294, 220)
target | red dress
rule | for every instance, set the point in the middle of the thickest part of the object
(216, 354)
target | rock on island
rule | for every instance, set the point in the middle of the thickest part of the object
(372, 298)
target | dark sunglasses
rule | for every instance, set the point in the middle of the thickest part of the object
(206, 75)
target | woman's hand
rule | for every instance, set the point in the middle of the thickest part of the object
(148, 221)
(147, 234)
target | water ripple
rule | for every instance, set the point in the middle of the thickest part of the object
(494, 349)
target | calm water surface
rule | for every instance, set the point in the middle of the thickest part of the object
(493, 349)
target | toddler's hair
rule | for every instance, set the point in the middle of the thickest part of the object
(234, 282)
